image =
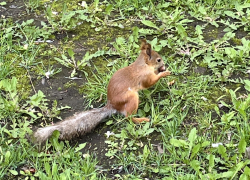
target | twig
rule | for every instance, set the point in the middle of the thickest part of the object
(31, 81)
(100, 98)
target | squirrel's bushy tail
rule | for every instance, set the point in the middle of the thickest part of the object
(76, 125)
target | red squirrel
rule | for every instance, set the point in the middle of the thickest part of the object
(125, 83)
(122, 97)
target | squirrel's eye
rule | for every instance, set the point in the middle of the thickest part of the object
(158, 60)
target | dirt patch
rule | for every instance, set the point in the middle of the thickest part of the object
(70, 96)
(54, 89)
(60, 87)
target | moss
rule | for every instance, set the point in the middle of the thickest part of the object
(89, 37)
(201, 64)
(211, 34)
(71, 5)
(236, 41)
(70, 84)
(222, 92)
(24, 85)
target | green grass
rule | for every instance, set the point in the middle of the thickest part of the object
(188, 118)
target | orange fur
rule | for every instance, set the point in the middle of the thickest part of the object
(124, 85)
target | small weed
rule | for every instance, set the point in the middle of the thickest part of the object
(80, 64)
(32, 4)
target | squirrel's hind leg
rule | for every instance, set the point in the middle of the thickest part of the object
(131, 107)
(140, 120)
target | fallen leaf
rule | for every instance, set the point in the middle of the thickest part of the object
(171, 83)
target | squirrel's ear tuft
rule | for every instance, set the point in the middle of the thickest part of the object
(146, 46)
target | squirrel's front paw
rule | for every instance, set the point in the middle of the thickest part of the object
(165, 73)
